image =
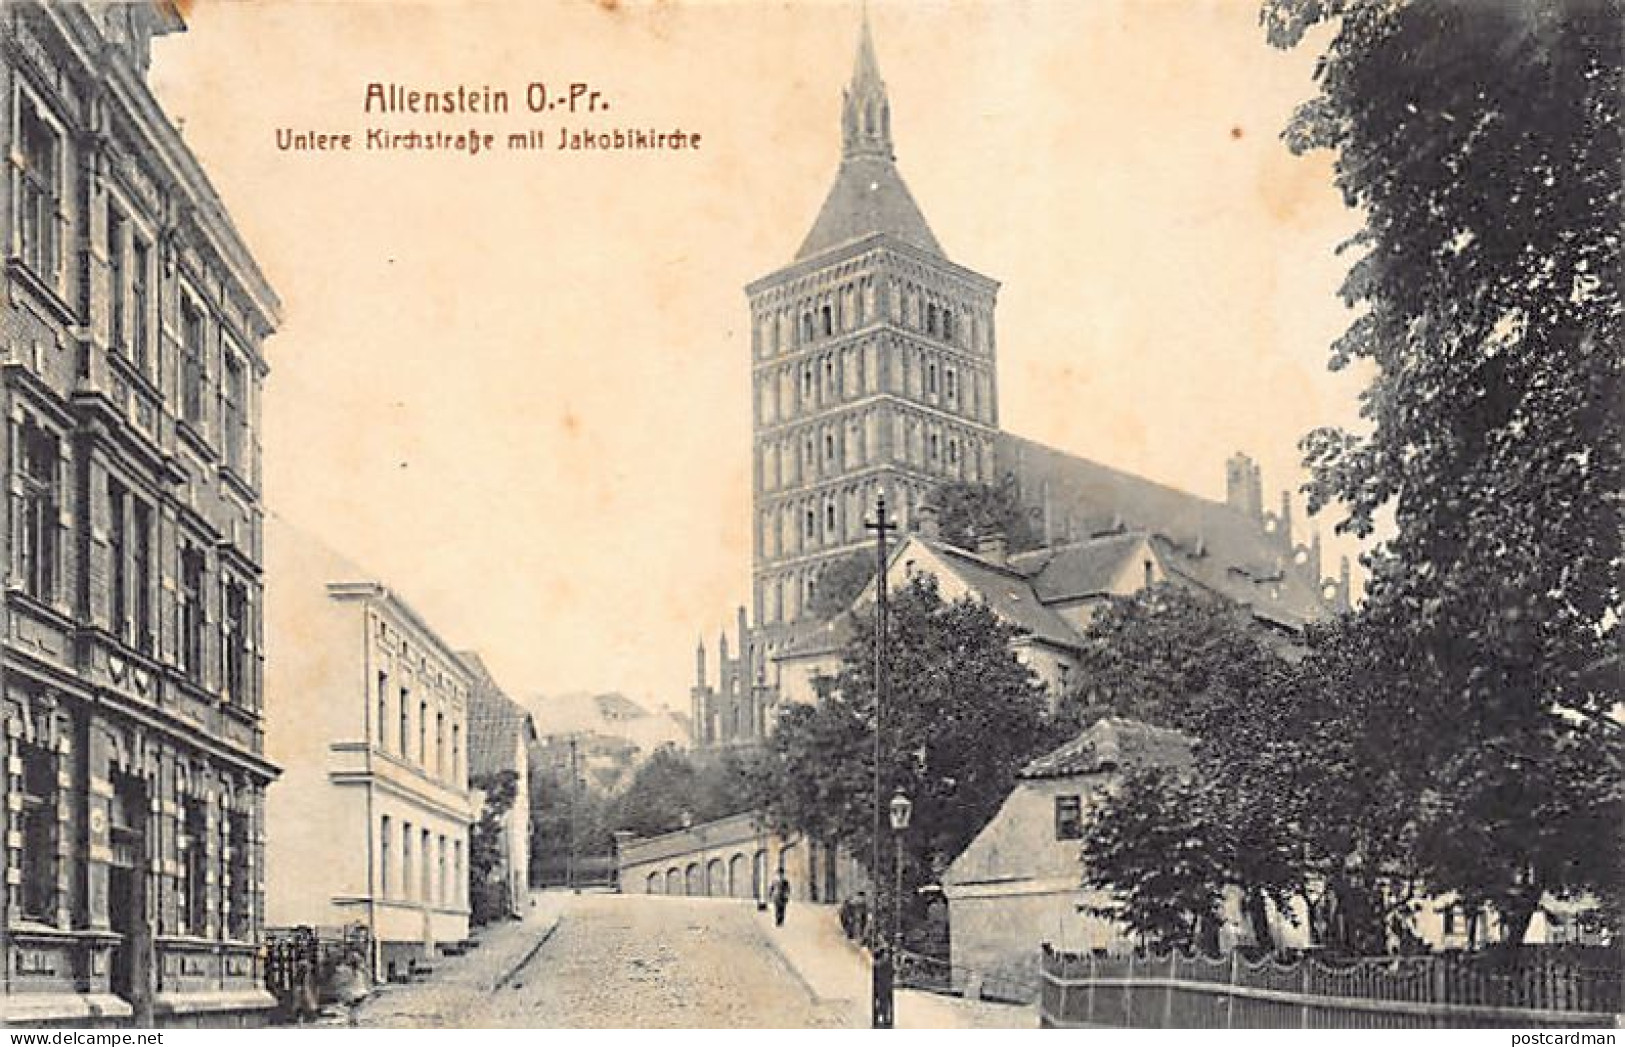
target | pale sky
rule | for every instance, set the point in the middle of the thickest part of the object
(516, 386)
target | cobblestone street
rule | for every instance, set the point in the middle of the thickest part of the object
(615, 961)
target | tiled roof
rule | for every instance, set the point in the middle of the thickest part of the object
(1087, 568)
(1206, 542)
(496, 723)
(868, 197)
(1007, 593)
(1112, 743)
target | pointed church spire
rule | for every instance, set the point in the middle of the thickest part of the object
(866, 112)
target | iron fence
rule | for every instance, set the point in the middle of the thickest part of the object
(1183, 992)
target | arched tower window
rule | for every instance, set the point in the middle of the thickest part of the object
(829, 321)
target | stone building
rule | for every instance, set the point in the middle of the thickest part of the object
(874, 368)
(369, 721)
(872, 365)
(131, 372)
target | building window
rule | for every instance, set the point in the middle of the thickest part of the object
(39, 192)
(406, 860)
(140, 311)
(1450, 920)
(141, 574)
(235, 640)
(829, 447)
(1068, 818)
(426, 885)
(191, 363)
(234, 412)
(39, 828)
(440, 744)
(445, 882)
(950, 379)
(456, 753)
(423, 734)
(931, 378)
(828, 317)
(459, 880)
(811, 525)
(194, 867)
(191, 613)
(383, 710)
(947, 325)
(239, 898)
(385, 888)
(829, 516)
(117, 275)
(118, 552)
(406, 723)
(37, 543)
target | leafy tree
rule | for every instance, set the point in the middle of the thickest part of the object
(673, 789)
(967, 510)
(839, 583)
(485, 843)
(962, 716)
(1482, 144)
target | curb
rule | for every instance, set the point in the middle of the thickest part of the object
(530, 954)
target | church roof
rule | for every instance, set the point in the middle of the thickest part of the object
(868, 198)
(1206, 542)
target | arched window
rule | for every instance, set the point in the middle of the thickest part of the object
(829, 516)
(829, 447)
(829, 321)
(947, 325)
(811, 524)
(932, 443)
(931, 319)
(931, 378)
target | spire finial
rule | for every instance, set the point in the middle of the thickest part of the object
(866, 113)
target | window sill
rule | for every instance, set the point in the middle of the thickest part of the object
(41, 288)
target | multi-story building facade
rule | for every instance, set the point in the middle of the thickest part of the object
(873, 367)
(369, 722)
(131, 328)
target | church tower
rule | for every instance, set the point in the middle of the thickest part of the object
(872, 366)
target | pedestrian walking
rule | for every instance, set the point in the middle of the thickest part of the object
(779, 895)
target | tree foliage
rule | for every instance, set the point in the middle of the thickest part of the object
(839, 583)
(1482, 144)
(673, 789)
(966, 510)
(962, 716)
(486, 844)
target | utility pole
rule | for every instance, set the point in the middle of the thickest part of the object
(570, 854)
(881, 1014)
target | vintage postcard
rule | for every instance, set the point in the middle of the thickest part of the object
(970, 514)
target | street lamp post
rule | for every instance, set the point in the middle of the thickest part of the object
(901, 811)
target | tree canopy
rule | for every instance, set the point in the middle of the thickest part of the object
(963, 714)
(966, 510)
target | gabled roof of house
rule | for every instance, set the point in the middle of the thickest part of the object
(1006, 591)
(1112, 743)
(1210, 543)
(496, 723)
(1078, 569)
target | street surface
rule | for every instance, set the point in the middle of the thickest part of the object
(614, 961)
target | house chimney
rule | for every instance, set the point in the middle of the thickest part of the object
(928, 522)
(993, 547)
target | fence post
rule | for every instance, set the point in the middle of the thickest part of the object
(1303, 985)
(1168, 990)
(1089, 1001)
(1128, 995)
(1230, 997)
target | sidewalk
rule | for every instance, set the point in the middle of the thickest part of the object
(462, 982)
(835, 970)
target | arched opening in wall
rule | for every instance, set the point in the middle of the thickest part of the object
(653, 884)
(674, 880)
(828, 316)
(695, 882)
(716, 883)
(758, 875)
(738, 881)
